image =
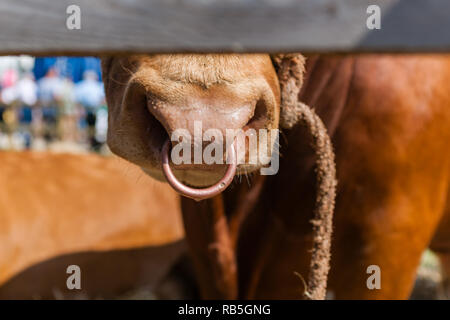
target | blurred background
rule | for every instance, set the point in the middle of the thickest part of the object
(52, 103)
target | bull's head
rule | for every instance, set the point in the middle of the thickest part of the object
(151, 96)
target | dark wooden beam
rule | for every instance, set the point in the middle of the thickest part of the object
(123, 26)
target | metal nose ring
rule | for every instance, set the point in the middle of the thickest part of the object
(201, 193)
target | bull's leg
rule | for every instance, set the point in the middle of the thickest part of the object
(272, 264)
(372, 264)
(272, 268)
(388, 210)
(210, 248)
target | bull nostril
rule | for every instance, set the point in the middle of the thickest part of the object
(156, 131)
(260, 116)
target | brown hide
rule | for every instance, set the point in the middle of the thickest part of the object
(120, 226)
(389, 118)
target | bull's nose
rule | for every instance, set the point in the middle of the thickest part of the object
(198, 119)
(201, 134)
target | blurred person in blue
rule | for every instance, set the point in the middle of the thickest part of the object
(69, 112)
(26, 89)
(71, 67)
(101, 126)
(49, 90)
(89, 93)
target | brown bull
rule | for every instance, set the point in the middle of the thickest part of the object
(101, 214)
(388, 117)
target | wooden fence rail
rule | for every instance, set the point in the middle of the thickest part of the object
(122, 26)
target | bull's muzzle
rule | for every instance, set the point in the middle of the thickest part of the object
(203, 193)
